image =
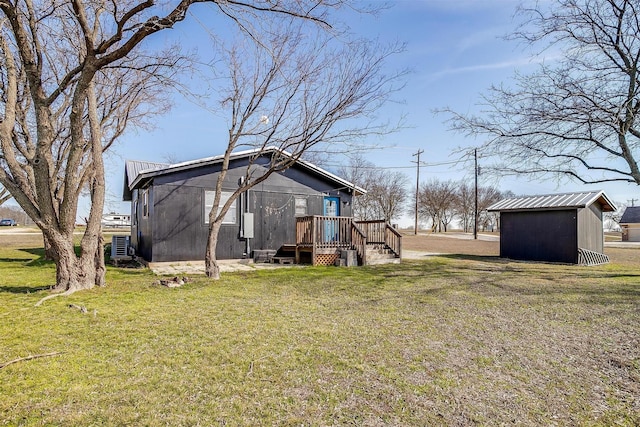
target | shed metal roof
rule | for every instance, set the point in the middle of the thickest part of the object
(631, 215)
(554, 201)
(138, 171)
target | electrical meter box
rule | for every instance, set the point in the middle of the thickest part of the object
(247, 225)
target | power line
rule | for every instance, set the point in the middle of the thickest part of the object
(452, 162)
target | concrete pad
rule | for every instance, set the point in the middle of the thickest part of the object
(197, 267)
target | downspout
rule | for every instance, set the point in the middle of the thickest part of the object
(246, 210)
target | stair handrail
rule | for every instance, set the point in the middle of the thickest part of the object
(393, 240)
(359, 242)
(380, 231)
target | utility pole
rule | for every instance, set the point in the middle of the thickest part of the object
(632, 201)
(417, 189)
(475, 209)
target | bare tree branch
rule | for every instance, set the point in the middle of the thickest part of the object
(73, 77)
(303, 91)
(30, 357)
(576, 118)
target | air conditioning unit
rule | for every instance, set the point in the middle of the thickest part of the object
(120, 247)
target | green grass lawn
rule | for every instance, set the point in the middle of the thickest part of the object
(445, 341)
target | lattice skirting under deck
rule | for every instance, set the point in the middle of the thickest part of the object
(326, 259)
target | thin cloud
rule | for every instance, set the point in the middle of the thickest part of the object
(516, 63)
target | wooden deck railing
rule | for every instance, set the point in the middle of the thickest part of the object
(323, 231)
(328, 232)
(380, 232)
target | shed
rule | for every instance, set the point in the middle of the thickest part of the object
(171, 202)
(630, 224)
(565, 227)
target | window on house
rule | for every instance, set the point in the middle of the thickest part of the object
(230, 216)
(301, 206)
(145, 202)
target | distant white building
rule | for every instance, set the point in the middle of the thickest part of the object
(630, 224)
(115, 220)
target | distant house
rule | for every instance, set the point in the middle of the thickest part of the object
(563, 228)
(116, 220)
(171, 204)
(630, 224)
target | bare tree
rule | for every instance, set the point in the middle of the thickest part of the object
(577, 117)
(295, 91)
(386, 190)
(15, 213)
(361, 173)
(436, 201)
(611, 220)
(389, 193)
(465, 205)
(72, 76)
(486, 197)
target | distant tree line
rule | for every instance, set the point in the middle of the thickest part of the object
(386, 196)
(441, 203)
(15, 213)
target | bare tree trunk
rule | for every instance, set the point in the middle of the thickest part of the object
(49, 253)
(101, 269)
(4, 196)
(212, 269)
(74, 272)
(77, 273)
(68, 271)
(92, 241)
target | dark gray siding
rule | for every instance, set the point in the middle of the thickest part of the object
(134, 218)
(549, 236)
(176, 229)
(142, 229)
(179, 232)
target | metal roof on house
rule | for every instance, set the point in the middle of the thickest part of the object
(631, 215)
(137, 171)
(132, 168)
(554, 201)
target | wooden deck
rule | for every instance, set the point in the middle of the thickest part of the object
(322, 238)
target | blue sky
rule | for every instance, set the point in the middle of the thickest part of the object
(455, 51)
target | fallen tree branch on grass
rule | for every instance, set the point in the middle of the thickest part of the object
(63, 294)
(30, 357)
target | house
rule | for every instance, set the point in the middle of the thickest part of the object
(303, 210)
(116, 220)
(630, 224)
(563, 228)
